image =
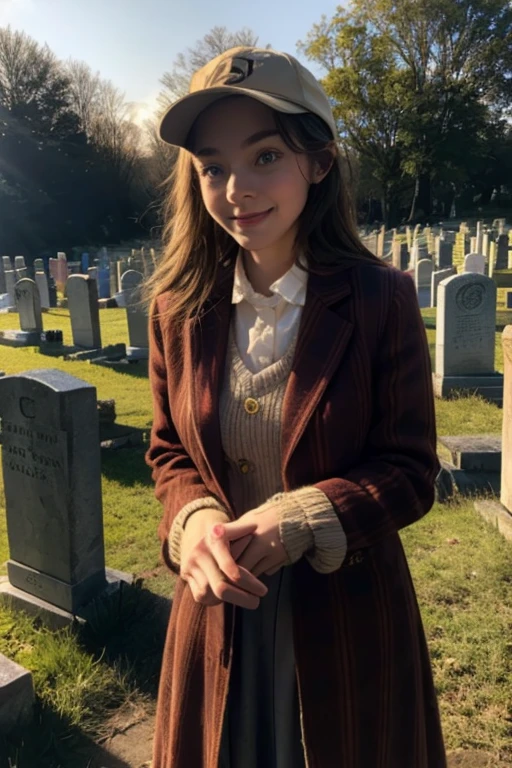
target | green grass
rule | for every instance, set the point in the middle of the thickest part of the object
(85, 680)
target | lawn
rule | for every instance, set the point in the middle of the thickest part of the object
(91, 682)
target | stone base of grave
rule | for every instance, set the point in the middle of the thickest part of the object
(137, 353)
(489, 386)
(16, 695)
(109, 303)
(20, 338)
(496, 514)
(112, 352)
(50, 615)
(474, 453)
(453, 481)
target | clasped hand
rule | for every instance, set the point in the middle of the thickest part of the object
(222, 561)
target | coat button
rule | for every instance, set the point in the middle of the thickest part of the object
(251, 406)
(244, 465)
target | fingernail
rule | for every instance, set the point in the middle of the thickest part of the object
(218, 531)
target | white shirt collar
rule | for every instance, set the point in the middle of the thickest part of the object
(291, 286)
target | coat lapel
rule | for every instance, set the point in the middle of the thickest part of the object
(323, 339)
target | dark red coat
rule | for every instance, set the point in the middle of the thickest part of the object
(358, 422)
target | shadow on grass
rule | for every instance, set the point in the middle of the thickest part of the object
(49, 741)
(137, 368)
(126, 466)
(128, 631)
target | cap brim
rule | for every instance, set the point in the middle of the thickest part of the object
(176, 123)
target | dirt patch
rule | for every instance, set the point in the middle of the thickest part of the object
(133, 746)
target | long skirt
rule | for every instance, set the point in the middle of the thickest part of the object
(262, 727)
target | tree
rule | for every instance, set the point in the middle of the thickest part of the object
(415, 84)
(176, 81)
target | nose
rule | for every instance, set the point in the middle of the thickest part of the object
(239, 187)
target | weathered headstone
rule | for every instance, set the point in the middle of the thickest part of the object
(131, 282)
(2, 278)
(437, 278)
(103, 281)
(93, 273)
(423, 280)
(400, 256)
(465, 337)
(42, 284)
(475, 262)
(82, 296)
(28, 304)
(502, 252)
(16, 695)
(22, 273)
(38, 265)
(61, 275)
(10, 282)
(19, 262)
(506, 443)
(7, 263)
(52, 481)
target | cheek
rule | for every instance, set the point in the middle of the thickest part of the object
(212, 198)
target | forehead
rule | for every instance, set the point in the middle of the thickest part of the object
(229, 121)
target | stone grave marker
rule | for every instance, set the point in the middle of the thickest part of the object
(38, 265)
(19, 262)
(93, 273)
(28, 304)
(82, 296)
(10, 282)
(400, 256)
(21, 273)
(465, 337)
(506, 442)
(44, 293)
(475, 262)
(501, 252)
(2, 278)
(437, 278)
(52, 481)
(423, 279)
(16, 695)
(103, 281)
(61, 275)
(7, 263)
(131, 282)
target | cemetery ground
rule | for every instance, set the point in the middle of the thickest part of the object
(96, 687)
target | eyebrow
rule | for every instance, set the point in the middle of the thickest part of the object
(254, 139)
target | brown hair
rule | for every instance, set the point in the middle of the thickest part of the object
(194, 244)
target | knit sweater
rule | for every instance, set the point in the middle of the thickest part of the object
(250, 415)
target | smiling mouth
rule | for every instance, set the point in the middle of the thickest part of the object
(251, 216)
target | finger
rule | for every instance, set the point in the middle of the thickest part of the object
(200, 588)
(232, 531)
(242, 577)
(228, 593)
(255, 553)
(239, 546)
(271, 571)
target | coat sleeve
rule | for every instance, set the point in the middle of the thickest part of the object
(178, 484)
(393, 484)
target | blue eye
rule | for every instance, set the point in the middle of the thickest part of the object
(268, 157)
(211, 171)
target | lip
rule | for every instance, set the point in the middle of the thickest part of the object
(251, 219)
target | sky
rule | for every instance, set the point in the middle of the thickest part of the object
(133, 42)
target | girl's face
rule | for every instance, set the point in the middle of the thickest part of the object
(251, 183)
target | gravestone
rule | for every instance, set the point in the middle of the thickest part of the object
(21, 273)
(465, 338)
(475, 262)
(506, 442)
(52, 482)
(52, 290)
(16, 695)
(2, 278)
(131, 282)
(437, 278)
(400, 255)
(423, 280)
(499, 513)
(10, 282)
(42, 285)
(501, 252)
(82, 296)
(103, 280)
(7, 263)
(85, 262)
(61, 275)
(38, 265)
(414, 254)
(28, 305)
(19, 262)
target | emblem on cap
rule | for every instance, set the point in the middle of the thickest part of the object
(235, 70)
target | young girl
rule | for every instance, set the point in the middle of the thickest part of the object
(293, 437)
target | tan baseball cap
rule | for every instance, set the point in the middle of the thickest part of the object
(276, 79)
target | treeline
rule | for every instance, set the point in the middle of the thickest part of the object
(422, 90)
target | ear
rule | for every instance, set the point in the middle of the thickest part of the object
(322, 164)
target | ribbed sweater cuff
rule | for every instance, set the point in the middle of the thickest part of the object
(179, 522)
(308, 525)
